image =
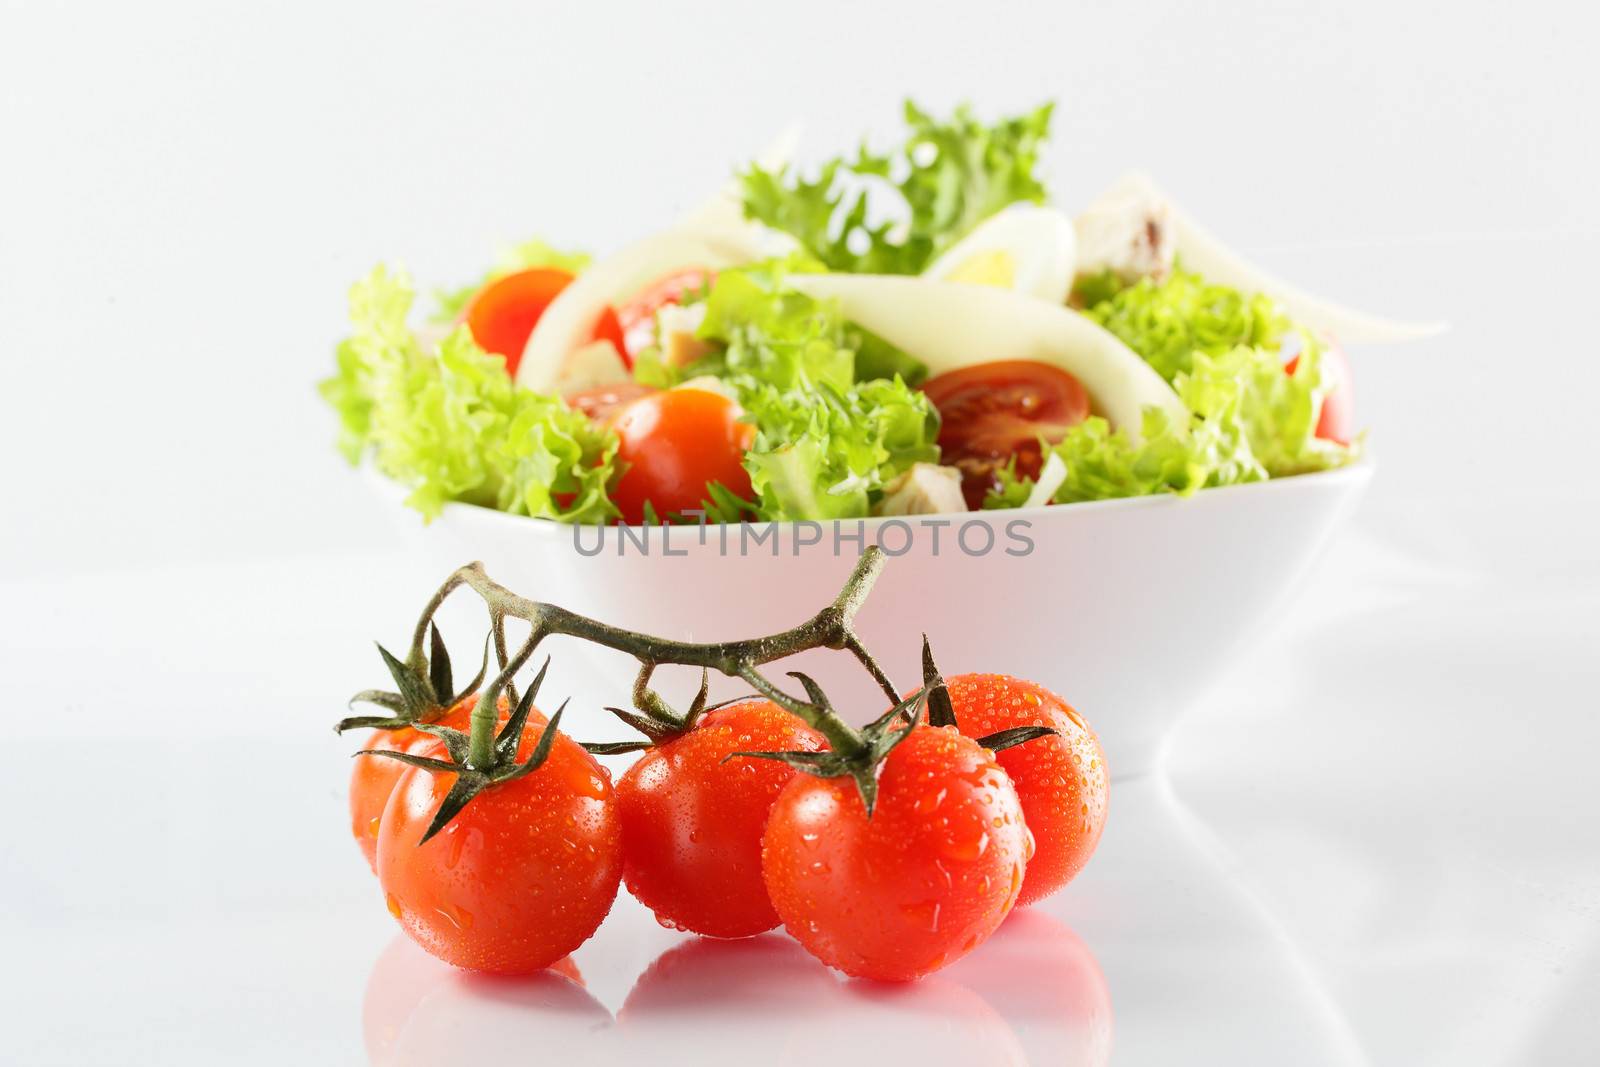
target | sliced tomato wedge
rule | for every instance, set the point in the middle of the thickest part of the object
(608, 328)
(994, 412)
(637, 317)
(1337, 422)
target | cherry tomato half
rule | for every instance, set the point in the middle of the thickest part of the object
(504, 312)
(1061, 781)
(1337, 422)
(675, 443)
(991, 412)
(692, 819)
(521, 877)
(918, 885)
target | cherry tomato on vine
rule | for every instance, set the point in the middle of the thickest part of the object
(372, 778)
(1061, 781)
(521, 877)
(692, 823)
(674, 444)
(918, 885)
(991, 412)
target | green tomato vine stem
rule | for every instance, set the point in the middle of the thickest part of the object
(832, 627)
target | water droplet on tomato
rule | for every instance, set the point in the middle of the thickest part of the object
(967, 845)
(929, 802)
(372, 826)
(924, 915)
(392, 902)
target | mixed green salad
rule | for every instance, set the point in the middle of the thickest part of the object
(912, 331)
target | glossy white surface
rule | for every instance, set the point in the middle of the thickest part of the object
(1377, 842)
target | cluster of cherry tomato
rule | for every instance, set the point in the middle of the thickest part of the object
(728, 845)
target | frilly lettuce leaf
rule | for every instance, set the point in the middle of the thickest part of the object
(948, 177)
(826, 444)
(1167, 322)
(451, 425)
(449, 303)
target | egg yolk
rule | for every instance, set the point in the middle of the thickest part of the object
(986, 268)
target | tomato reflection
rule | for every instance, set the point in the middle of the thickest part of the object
(1049, 985)
(420, 1011)
(1032, 994)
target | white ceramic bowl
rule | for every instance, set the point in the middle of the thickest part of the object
(1127, 608)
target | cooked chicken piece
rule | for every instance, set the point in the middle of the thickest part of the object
(675, 330)
(1128, 231)
(925, 489)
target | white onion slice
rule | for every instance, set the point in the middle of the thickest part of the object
(949, 325)
(568, 323)
(1202, 252)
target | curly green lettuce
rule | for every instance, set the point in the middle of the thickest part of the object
(1167, 322)
(826, 443)
(451, 425)
(946, 178)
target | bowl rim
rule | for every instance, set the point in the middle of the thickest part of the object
(1352, 475)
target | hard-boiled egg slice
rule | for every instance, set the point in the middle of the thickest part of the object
(949, 326)
(1202, 252)
(568, 323)
(1027, 248)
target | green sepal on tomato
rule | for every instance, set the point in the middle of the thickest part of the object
(518, 878)
(424, 694)
(919, 882)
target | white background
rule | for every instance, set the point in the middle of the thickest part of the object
(1400, 789)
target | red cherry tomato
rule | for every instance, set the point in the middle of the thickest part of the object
(918, 885)
(637, 317)
(520, 878)
(991, 412)
(1337, 422)
(373, 778)
(1061, 781)
(674, 444)
(692, 819)
(602, 402)
(503, 313)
